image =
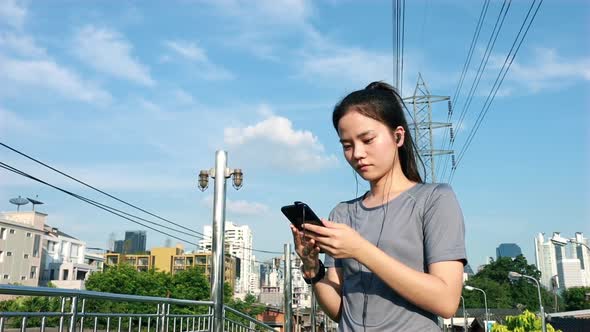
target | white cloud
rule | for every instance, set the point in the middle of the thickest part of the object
(187, 49)
(240, 207)
(277, 144)
(348, 64)
(264, 28)
(204, 67)
(107, 51)
(547, 69)
(276, 12)
(45, 73)
(21, 45)
(12, 13)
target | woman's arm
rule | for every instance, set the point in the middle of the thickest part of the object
(437, 291)
(327, 290)
(328, 293)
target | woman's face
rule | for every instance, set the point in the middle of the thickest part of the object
(368, 145)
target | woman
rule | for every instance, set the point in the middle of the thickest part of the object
(395, 255)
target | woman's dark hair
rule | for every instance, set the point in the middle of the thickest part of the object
(381, 102)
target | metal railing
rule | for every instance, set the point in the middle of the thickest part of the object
(84, 311)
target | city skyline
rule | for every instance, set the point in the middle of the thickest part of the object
(136, 102)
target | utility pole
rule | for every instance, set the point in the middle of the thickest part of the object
(422, 126)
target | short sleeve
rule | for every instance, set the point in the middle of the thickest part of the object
(444, 227)
(338, 214)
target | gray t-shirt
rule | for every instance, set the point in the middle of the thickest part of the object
(421, 226)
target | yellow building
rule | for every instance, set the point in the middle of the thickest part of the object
(142, 262)
(203, 260)
(162, 257)
(173, 260)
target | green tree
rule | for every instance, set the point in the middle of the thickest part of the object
(501, 292)
(577, 298)
(190, 284)
(525, 322)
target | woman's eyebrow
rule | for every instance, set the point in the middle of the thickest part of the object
(360, 136)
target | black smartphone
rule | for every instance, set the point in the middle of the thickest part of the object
(299, 213)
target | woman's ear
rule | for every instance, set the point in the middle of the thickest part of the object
(399, 136)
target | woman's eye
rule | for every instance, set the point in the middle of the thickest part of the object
(369, 140)
(346, 147)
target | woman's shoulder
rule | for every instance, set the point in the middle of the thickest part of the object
(429, 189)
(342, 209)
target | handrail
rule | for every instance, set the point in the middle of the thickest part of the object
(48, 291)
(242, 315)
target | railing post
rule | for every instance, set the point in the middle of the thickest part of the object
(82, 317)
(167, 315)
(74, 314)
(157, 318)
(61, 317)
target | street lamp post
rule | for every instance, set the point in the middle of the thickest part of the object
(485, 301)
(220, 173)
(515, 275)
(464, 314)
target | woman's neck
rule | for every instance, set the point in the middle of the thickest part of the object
(390, 185)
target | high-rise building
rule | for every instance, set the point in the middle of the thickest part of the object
(118, 246)
(20, 247)
(238, 243)
(565, 261)
(511, 250)
(545, 258)
(134, 242)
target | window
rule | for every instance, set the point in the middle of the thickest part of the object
(36, 244)
(26, 256)
(2, 233)
(51, 246)
(9, 253)
(64, 250)
(74, 250)
(6, 277)
(33, 272)
(23, 277)
(1, 256)
(28, 234)
(11, 231)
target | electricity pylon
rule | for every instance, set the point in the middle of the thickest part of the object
(422, 126)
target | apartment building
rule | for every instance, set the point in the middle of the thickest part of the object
(64, 262)
(20, 247)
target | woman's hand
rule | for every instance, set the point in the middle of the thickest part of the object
(337, 240)
(307, 251)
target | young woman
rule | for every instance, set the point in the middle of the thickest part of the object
(395, 255)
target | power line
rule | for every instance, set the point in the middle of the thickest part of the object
(121, 213)
(483, 63)
(499, 80)
(98, 190)
(474, 39)
(201, 235)
(403, 33)
(92, 202)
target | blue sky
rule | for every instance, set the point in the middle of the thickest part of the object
(136, 97)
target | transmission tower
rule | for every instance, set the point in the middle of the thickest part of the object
(422, 126)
